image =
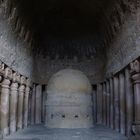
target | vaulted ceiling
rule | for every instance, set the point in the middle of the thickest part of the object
(64, 28)
(71, 28)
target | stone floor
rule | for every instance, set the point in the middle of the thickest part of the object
(39, 132)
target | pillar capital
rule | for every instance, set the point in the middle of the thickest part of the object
(8, 73)
(14, 86)
(5, 83)
(29, 83)
(135, 67)
(22, 88)
(16, 77)
(135, 71)
(23, 80)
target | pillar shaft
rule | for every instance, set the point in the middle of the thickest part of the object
(13, 106)
(0, 106)
(29, 107)
(26, 103)
(104, 103)
(111, 104)
(122, 103)
(116, 103)
(129, 102)
(108, 103)
(137, 102)
(4, 111)
(95, 104)
(135, 75)
(44, 103)
(137, 99)
(38, 104)
(33, 105)
(99, 103)
(20, 106)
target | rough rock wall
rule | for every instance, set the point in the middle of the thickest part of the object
(126, 46)
(120, 33)
(15, 51)
(45, 68)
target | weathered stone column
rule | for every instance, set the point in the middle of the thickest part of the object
(5, 92)
(20, 102)
(108, 103)
(38, 104)
(99, 103)
(1, 77)
(104, 103)
(129, 102)
(33, 105)
(13, 102)
(111, 104)
(135, 75)
(95, 103)
(122, 103)
(26, 102)
(116, 103)
(44, 93)
(29, 106)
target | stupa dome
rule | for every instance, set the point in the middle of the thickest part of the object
(69, 100)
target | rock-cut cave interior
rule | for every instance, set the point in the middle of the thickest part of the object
(70, 69)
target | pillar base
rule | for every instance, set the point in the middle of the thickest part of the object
(136, 129)
(5, 132)
(13, 127)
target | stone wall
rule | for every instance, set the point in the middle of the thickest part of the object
(15, 50)
(45, 68)
(125, 47)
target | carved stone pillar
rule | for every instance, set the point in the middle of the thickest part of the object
(135, 75)
(108, 102)
(26, 102)
(95, 103)
(116, 103)
(1, 77)
(44, 92)
(33, 105)
(99, 103)
(129, 102)
(104, 103)
(111, 104)
(20, 102)
(29, 106)
(13, 102)
(38, 104)
(4, 111)
(122, 103)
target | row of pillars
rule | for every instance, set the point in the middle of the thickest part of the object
(117, 101)
(16, 103)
